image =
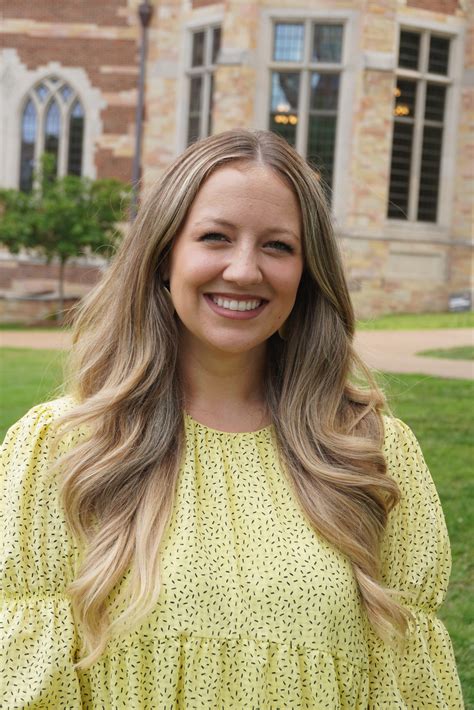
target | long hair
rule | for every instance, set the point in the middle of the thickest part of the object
(119, 484)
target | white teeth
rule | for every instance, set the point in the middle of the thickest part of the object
(236, 305)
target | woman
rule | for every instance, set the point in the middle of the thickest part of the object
(218, 516)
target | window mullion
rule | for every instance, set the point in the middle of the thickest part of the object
(39, 144)
(205, 100)
(417, 146)
(303, 112)
(63, 140)
(304, 97)
(418, 131)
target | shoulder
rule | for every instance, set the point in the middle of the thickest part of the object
(29, 445)
(37, 553)
(405, 460)
(38, 420)
(45, 412)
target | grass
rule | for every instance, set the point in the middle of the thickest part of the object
(27, 377)
(438, 410)
(463, 352)
(22, 326)
(440, 413)
(393, 321)
(418, 321)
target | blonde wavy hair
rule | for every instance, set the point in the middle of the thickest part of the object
(119, 484)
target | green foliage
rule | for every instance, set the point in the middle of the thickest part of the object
(418, 321)
(463, 352)
(63, 217)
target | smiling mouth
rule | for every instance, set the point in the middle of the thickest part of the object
(236, 304)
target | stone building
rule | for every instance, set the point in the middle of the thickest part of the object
(376, 94)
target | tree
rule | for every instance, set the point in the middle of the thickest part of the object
(63, 217)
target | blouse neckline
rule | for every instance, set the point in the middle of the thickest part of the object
(232, 434)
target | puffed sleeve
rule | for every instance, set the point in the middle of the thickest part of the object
(416, 561)
(37, 556)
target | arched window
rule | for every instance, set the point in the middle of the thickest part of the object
(52, 122)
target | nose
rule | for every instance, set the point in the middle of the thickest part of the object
(243, 268)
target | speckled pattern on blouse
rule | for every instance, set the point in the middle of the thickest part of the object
(256, 610)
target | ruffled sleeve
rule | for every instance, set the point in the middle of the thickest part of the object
(416, 561)
(37, 557)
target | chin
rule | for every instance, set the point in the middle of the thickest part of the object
(233, 347)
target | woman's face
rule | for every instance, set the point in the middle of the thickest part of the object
(236, 264)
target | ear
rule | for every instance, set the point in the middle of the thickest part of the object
(164, 270)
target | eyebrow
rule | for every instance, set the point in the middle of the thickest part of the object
(231, 225)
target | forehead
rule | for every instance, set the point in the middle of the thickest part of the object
(242, 191)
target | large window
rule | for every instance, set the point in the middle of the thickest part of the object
(305, 76)
(52, 121)
(205, 46)
(419, 115)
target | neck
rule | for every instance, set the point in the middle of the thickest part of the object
(219, 382)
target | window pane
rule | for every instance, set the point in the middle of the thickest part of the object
(288, 42)
(195, 94)
(327, 43)
(52, 130)
(198, 49)
(409, 51)
(321, 144)
(439, 55)
(324, 91)
(66, 92)
(76, 133)
(28, 138)
(284, 104)
(195, 91)
(216, 43)
(429, 175)
(42, 92)
(435, 98)
(285, 91)
(405, 98)
(400, 170)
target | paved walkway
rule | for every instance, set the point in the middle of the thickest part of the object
(387, 350)
(395, 351)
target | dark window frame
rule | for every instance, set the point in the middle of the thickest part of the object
(199, 119)
(297, 129)
(412, 198)
(42, 95)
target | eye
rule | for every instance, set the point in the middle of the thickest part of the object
(212, 237)
(280, 246)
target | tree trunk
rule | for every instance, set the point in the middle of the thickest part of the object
(60, 311)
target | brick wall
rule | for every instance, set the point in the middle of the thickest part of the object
(447, 7)
(100, 38)
(105, 12)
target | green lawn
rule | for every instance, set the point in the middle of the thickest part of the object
(464, 352)
(32, 328)
(418, 321)
(393, 321)
(438, 410)
(26, 378)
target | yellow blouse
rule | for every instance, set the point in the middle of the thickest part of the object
(256, 610)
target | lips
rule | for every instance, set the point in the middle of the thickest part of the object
(236, 305)
(237, 302)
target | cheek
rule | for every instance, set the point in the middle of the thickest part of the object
(195, 271)
(288, 281)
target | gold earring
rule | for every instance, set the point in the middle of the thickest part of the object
(282, 331)
(168, 298)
